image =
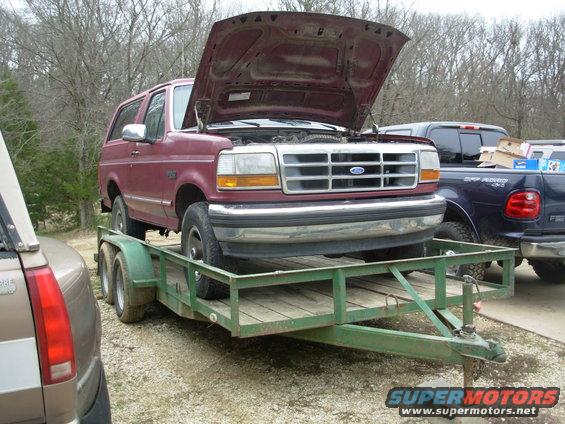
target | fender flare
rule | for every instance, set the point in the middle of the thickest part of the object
(465, 218)
(142, 290)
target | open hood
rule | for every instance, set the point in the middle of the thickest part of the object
(292, 65)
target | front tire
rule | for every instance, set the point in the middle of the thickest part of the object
(551, 271)
(457, 231)
(122, 223)
(199, 243)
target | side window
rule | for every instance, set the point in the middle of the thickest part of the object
(447, 144)
(471, 146)
(490, 137)
(125, 116)
(155, 117)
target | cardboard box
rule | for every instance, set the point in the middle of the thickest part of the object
(531, 164)
(497, 157)
(515, 147)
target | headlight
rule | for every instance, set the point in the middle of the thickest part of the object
(247, 171)
(429, 167)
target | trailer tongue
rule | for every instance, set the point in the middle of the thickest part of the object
(319, 299)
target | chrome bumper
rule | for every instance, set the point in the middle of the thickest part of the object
(548, 250)
(319, 222)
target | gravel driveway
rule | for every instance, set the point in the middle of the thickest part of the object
(169, 370)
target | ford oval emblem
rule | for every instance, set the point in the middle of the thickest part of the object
(357, 170)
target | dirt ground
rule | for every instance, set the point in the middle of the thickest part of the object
(170, 370)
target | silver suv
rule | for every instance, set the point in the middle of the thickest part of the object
(50, 366)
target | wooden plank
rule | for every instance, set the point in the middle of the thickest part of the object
(257, 311)
(357, 297)
(223, 309)
(271, 298)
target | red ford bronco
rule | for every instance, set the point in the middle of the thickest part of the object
(261, 154)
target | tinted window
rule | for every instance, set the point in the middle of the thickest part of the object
(125, 116)
(471, 145)
(557, 155)
(447, 144)
(155, 117)
(490, 138)
(181, 96)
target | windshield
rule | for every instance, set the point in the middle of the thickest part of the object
(181, 95)
(277, 123)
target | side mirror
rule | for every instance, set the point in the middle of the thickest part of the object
(135, 132)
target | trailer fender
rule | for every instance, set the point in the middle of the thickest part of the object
(142, 276)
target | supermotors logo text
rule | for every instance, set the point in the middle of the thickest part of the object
(471, 401)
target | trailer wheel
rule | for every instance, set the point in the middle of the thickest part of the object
(395, 253)
(458, 231)
(106, 258)
(123, 223)
(552, 271)
(198, 242)
(125, 311)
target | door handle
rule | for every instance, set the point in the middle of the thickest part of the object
(134, 153)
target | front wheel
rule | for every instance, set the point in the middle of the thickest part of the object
(457, 231)
(551, 271)
(199, 243)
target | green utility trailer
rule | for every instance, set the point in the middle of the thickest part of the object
(317, 298)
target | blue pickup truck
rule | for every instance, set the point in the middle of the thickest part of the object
(504, 207)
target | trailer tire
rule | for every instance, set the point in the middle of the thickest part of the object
(551, 271)
(106, 256)
(395, 253)
(122, 222)
(198, 242)
(458, 231)
(125, 311)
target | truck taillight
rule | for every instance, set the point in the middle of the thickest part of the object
(469, 127)
(53, 328)
(523, 204)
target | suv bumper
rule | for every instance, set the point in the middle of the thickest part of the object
(543, 247)
(296, 229)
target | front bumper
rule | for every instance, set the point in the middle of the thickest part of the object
(296, 229)
(543, 247)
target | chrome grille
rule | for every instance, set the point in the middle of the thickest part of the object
(317, 171)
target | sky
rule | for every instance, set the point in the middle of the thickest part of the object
(523, 9)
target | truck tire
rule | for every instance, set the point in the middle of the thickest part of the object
(106, 258)
(123, 223)
(458, 231)
(395, 253)
(198, 242)
(551, 271)
(121, 279)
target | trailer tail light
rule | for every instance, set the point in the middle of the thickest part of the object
(523, 204)
(53, 328)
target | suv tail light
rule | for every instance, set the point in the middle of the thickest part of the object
(523, 204)
(53, 328)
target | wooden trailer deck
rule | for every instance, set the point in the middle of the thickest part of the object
(284, 303)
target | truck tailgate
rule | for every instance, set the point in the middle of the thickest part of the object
(553, 203)
(21, 397)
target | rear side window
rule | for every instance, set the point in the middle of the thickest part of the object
(471, 146)
(447, 144)
(155, 117)
(125, 116)
(490, 138)
(557, 155)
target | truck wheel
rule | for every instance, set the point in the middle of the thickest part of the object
(123, 223)
(124, 310)
(458, 231)
(551, 271)
(198, 242)
(106, 258)
(395, 253)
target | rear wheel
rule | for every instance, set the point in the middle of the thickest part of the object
(123, 223)
(551, 271)
(106, 258)
(458, 231)
(199, 243)
(125, 311)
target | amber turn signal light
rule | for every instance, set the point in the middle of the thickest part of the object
(247, 181)
(429, 175)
